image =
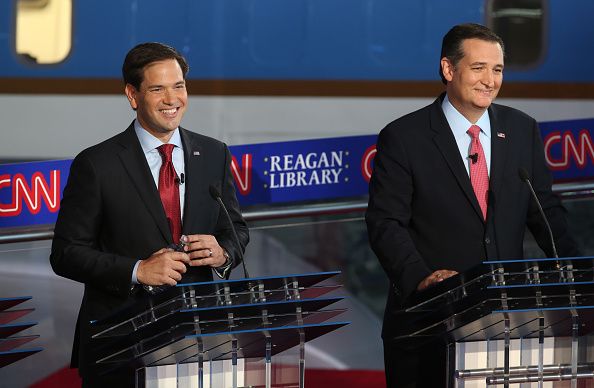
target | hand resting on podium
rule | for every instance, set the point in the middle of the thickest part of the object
(436, 277)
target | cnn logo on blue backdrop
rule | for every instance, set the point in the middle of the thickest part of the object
(30, 193)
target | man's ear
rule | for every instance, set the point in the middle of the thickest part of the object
(131, 94)
(447, 69)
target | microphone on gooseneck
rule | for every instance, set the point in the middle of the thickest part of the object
(216, 195)
(525, 178)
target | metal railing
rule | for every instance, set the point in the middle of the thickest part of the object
(46, 232)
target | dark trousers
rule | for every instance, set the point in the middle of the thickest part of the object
(120, 379)
(415, 364)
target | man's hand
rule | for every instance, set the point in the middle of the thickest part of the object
(436, 277)
(163, 267)
(204, 250)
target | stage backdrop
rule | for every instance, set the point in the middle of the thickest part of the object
(285, 172)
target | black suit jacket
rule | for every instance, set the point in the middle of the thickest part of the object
(111, 215)
(423, 214)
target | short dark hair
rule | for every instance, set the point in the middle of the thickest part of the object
(143, 55)
(451, 46)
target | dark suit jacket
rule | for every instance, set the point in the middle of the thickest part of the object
(111, 216)
(423, 215)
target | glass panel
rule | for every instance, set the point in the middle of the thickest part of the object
(277, 247)
(319, 244)
(521, 24)
(580, 218)
(25, 271)
(43, 30)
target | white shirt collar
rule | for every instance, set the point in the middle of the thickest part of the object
(460, 124)
(149, 143)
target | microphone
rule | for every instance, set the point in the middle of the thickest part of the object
(180, 180)
(525, 178)
(216, 195)
(473, 157)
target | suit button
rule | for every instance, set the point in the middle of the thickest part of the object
(487, 240)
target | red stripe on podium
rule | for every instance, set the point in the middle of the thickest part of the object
(324, 378)
(314, 378)
(63, 378)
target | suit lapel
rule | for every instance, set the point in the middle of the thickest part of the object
(498, 152)
(194, 172)
(140, 175)
(444, 139)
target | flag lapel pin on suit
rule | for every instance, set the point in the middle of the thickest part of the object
(196, 153)
(501, 135)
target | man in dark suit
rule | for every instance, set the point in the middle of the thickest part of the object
(129, 198)
(445, 193)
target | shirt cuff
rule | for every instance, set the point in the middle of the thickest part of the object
(224, 270)
(134, 278)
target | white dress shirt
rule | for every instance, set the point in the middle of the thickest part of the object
(149, 145)
(460, 124)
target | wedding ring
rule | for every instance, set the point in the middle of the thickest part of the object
(210, 253)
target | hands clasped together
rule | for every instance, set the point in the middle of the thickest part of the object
(166, 266)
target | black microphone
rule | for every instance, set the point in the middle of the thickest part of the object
(473, 157)
(216, 195)
(179, 180)
(525, 178)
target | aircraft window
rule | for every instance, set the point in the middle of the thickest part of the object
(43, 30)
(521, 24)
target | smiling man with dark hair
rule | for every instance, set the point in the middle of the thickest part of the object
(131, 198)
(445, 193)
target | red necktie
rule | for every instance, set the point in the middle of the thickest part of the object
(479, 176)
(169, 191)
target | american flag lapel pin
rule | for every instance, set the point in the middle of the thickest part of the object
(196, 153)
(501, 135)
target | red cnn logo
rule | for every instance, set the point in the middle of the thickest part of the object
(368, 156)
(32, 195)
(243, 174)
(580, 149)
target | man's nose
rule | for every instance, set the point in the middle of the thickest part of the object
(488, 78)
(168, 96)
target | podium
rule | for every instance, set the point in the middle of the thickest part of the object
(526, 322)
(10, 350)
(233, 333)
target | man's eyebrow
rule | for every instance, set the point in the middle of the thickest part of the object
(162, 86)
(478, 63)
